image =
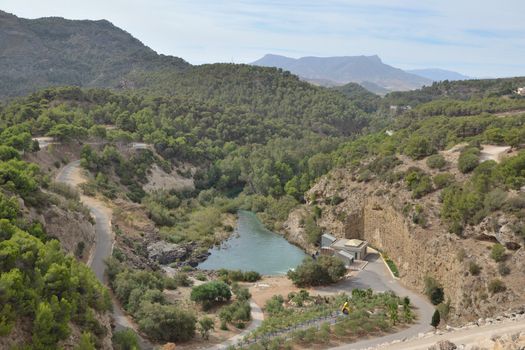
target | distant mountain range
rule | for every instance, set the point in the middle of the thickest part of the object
(436, 74)
(36, 53)
(368, 71)
(53, 51)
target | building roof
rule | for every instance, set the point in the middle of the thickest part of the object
(330, 237)
(346, 254)
(352, 244)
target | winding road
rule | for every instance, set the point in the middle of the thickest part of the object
(71, 175)
(375, 276)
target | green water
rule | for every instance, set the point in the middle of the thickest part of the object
(254, 248)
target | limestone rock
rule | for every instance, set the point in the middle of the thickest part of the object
(166, 253)
(443, 345)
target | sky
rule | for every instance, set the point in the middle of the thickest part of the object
(482, 38)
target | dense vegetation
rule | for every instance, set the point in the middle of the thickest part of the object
(141, 294)
(369, 314)
(457, 90)
(256, 139)
(40, 287)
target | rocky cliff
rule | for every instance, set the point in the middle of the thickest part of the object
(383, 215)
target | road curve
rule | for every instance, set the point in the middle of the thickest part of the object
(71, 175)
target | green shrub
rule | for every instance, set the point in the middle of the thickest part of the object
(166, 322)
(125, 339)
(434, 290)
(496, 286)
(474, 268)
(312, 230)
(418, 147)
(211, 292)
(274, 305)
(468, 160)
(443, 180)
(419, 217)
(201, 277)
(503, 269)
(497, 252)
(241, 293)
(495, 199)
(238, 275)
(206, 324)
(418, 182)
(436, 161)
(182, 279)
(324, 270)
(238, 311)
(392, 266)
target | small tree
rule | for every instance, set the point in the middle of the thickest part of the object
(125, 340)
(86, 342)
(211, 292)
(434, 290)
(498, 252)
(468, 160)
(496, 286)
(393, 313)
(474, 268)
(436, 161)
(436, 319)
(206, 324)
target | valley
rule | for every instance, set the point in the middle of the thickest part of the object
(148, 203)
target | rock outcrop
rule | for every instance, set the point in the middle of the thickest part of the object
(166, 253)
(69, 227)
(382, 215)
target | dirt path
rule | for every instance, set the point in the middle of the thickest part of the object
(493, 152)
(71, 175)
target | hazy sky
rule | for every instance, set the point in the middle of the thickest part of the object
(480, 38)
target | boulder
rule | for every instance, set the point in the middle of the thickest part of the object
(166, 253)
(443, 345)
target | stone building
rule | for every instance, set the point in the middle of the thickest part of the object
(347, 250)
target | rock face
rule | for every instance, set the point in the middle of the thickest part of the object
(496, 230)
(378, 213)
(166, 253)
(514, 341)
(69, 227)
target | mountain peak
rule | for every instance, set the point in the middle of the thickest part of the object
(341, 70)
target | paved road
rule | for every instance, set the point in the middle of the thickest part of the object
(71, 175)
(378, 277)
(478, 336)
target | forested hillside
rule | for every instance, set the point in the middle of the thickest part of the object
(457, 90)
(37, 53)
(45, 295)
(242, 137)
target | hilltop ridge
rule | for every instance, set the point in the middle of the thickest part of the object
(345, 69)
(52, 51)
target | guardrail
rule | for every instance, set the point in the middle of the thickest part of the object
(332, 319)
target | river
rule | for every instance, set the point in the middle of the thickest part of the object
(252, 247)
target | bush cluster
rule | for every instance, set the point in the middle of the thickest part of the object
(324, 270)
